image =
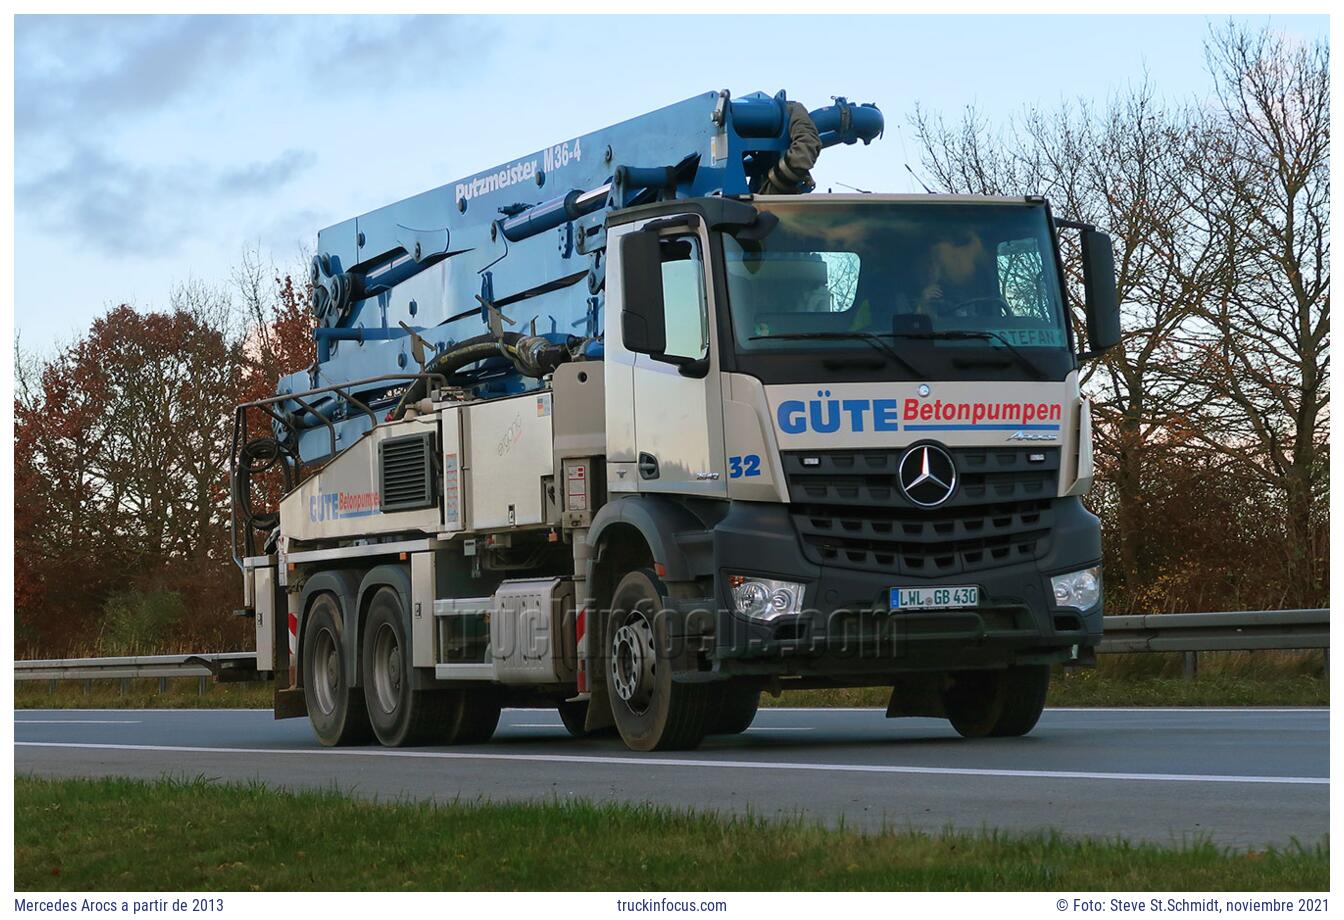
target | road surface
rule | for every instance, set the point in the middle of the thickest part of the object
(1240, 777)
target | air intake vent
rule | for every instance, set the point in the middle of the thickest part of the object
(405, 468)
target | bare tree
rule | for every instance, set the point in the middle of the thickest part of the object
(1264, 293)
(1119, 169)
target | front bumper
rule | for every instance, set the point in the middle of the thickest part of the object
(846, 627)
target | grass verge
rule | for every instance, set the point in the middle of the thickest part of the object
(182, 693)
(196, 835)
(1225, 679)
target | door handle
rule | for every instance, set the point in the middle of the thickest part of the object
(648, 466)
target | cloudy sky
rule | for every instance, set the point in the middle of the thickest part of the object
(149, 150)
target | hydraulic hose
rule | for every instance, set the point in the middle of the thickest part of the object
(447, 363)
(531, 356)
(259, 456)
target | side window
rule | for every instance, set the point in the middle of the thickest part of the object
(1022, 281)
(684, 307)
(842, 279)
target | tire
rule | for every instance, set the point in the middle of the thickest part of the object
(399, 714)
(733, 710)
(1027, 687)
(999, 704)
(651, 711)
(335, 710)
(471, 716)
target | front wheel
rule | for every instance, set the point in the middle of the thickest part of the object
(1000, 704)
(734, 709)
(652, 712)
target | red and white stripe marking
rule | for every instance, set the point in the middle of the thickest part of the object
(581, 645)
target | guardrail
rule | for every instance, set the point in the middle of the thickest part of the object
(223, 666)
(1235, 631)
(1191, 633)
(1247, 630)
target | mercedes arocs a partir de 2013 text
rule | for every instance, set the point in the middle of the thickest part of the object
(640, 426)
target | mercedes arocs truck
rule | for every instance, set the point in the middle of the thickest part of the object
(641, 426)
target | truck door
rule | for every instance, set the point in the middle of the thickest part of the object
(678, 409)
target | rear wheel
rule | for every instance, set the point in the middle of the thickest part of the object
(652, 712)
(400, 715)
(734, 709)
(335, 710)
(471, 716)
(1000, 704)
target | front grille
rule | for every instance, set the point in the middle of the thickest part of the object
(849, 510)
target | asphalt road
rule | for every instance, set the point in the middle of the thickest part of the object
(1241, 777)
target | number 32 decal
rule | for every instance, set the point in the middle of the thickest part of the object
(749, 465)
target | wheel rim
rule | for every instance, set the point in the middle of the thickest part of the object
(633, 663)
(327, 671)
(387, 669)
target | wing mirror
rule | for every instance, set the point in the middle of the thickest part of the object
(1103, 305)
(643, 323)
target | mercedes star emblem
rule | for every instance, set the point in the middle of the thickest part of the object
(928, 475)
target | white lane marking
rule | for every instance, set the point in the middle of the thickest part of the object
(1241, 710)
(780, 728)
(1246, 710)
(77, 721)
(712, 764)
(533, 725)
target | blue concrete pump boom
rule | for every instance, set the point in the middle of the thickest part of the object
(492, 279)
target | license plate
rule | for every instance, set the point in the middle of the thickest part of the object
(934, 598)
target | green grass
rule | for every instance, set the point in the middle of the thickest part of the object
(182, 693)
(1225, 679)
(196, 835)
(1093, 688)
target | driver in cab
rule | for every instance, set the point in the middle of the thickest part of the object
(947, 275)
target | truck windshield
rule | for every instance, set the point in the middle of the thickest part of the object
(934, 280)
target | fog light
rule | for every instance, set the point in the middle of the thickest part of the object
(1080, 590)
(765, 598)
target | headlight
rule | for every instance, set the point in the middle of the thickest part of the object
(1078, 589)
(765, 598)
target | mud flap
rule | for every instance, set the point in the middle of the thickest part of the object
(290, 704)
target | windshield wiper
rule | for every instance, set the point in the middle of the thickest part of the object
(1030, 365)
(871, 338)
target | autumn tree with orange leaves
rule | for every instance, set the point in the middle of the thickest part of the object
(121, 443)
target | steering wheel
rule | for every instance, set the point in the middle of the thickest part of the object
(981, 308)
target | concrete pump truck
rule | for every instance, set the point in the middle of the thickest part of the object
(640, 426)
